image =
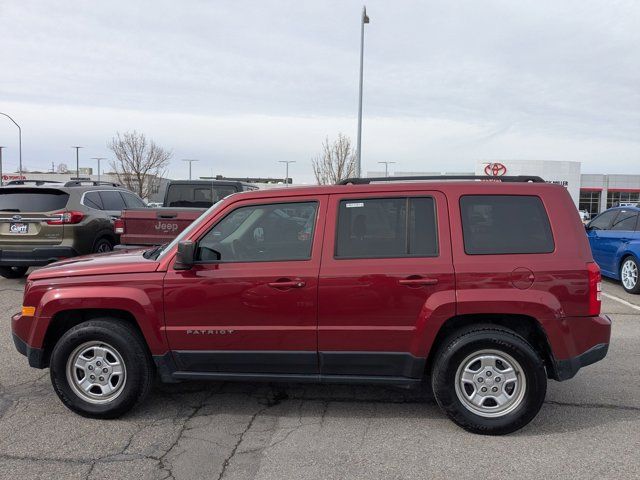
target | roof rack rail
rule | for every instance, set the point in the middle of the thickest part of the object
(79, 183)
(505, 178)
(35, 182)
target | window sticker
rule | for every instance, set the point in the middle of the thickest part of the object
(355, 205)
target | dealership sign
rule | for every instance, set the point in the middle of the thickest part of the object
(562, 173)
(495, 169)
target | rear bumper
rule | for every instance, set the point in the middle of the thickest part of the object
(566, 369)
(591, 337)
(37, 256)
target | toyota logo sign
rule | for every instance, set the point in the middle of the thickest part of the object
(495, 169)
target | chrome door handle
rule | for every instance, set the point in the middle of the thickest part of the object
(418, 282)
(287, 284)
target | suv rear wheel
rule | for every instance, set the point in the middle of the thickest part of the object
(489, 380)
(101, 368)
(102, 245)
(629, 275)
(13, 272)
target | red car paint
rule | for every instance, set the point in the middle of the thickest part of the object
(353, 305)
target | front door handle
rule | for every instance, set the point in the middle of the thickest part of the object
(418, 282)
(287, 284)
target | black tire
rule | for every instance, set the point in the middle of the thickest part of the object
(127, 342)
(13, 272)
(102, 245)
(457, 349)
(634, 264)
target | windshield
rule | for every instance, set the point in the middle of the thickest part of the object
(196, 196)
(162, 251)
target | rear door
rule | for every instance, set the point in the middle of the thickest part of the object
(386, 264)
(27, 216)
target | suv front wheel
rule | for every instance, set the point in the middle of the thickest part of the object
(489, 380)
(101, 368)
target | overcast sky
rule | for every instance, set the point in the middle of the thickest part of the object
(240, 85)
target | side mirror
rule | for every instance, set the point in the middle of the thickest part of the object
(185, 256)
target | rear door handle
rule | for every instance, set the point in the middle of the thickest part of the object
(287, 284)
(167, 215)
(418, 282)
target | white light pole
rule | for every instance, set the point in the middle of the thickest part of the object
(1, 147)
(19, 141)
(386, 168)
(286, 177)
(190, 160)
(77, 160)
(98, 159)
(363, 20)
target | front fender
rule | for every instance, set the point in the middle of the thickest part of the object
(129, 299)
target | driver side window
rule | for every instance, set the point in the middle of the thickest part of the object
(261, 233)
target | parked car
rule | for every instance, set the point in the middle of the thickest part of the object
(584, 215)
(614, 236)
(485, 289)
(41, 222)
(184, 201)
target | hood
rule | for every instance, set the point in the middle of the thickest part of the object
(130, 261)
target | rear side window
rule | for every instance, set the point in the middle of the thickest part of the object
(92, 200)
(32, 200)
(602, 221)
(625, 221)
(197, 196)
(111, 200)
(132, 201)
(505, 224)
(386, 228)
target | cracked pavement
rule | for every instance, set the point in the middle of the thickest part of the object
(589, 426)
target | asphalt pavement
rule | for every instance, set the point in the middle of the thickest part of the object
(589, 427)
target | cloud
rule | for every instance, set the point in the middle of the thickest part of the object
(244, 84)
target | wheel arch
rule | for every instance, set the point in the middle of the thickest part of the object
(526, 326)
(64, 320)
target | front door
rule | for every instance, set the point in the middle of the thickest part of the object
(613, 240)
(249, 304)
(386, 267)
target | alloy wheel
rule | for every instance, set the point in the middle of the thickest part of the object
(96, 372)
(490, 383)
(629, 274)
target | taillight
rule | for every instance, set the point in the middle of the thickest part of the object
(64, 218)
(595, 289)
(118, 226)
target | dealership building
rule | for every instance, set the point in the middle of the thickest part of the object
(591, 192)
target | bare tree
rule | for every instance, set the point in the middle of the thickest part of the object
(139, 162)
(336, 162)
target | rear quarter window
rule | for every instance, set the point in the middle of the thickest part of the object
(505, 224)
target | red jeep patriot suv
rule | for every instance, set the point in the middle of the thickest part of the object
(483, 288)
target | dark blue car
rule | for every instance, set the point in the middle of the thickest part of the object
(614, 236)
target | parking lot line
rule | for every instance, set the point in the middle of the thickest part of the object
(618, 299)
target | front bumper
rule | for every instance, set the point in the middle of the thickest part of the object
(34, 355)
(36, 257)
